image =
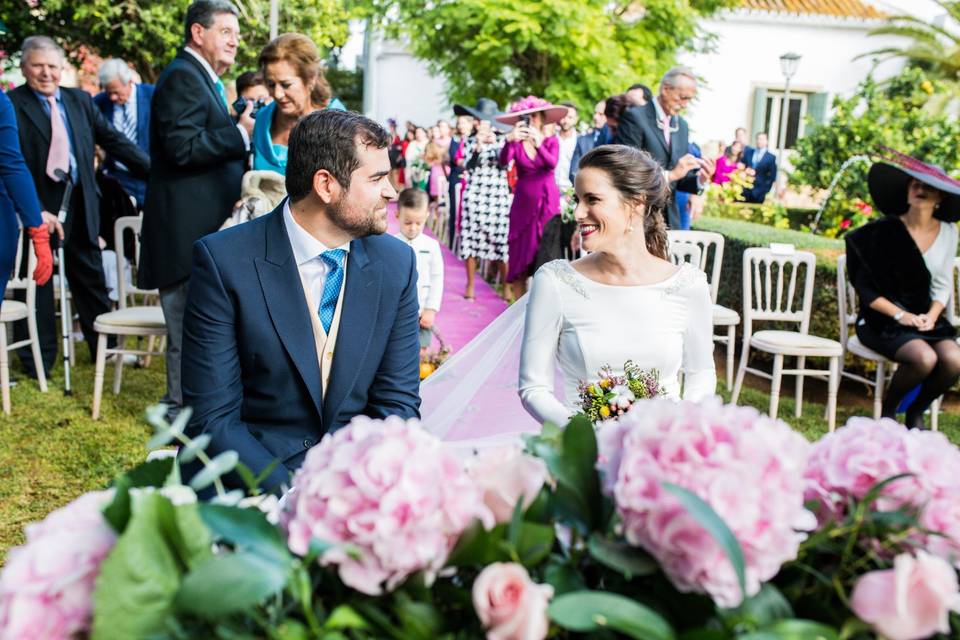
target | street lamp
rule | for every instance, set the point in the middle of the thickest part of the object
(788, 66)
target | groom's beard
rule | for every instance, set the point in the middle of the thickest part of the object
(358, 224)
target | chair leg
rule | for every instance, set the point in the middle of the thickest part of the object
(741, 371)
(98, 374)
(798, 409)
(777, 378)
(151, 341)
(118, 365)
(35, 351)
(878, 386)
(833, 383)
(731, 345)
(4, 369)
(935, 414)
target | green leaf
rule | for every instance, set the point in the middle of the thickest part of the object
(345, 617)
(534, 543)
(563, 577)
(117, 513)
(192, 540)
(586, 611)
(230, 583)
(223, 463)
(621, 557)
(478, 547)
(572, 462)
(875, 490)
(418, 620)
(715, 526)
(161, 439)
(153, 473)
(198, 444)
(794, 629)
(138, 581)
(246, 529)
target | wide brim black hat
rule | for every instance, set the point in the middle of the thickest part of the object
(889, 180)
(486, 109)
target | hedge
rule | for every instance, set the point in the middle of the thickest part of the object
(740, 235)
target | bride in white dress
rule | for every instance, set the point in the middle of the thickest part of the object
(623, 301)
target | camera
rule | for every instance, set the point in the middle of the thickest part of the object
(241, 103)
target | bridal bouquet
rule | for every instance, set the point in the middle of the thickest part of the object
(612, 395)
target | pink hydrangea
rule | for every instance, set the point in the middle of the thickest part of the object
(389, 498)
(847, 463)
(46, 588)
(748, 467)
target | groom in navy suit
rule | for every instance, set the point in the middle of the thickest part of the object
(306, 317)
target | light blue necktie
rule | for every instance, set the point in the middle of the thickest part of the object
(331, 287)
(129, 124)
(223, 93)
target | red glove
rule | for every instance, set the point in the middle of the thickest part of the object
(41, 246)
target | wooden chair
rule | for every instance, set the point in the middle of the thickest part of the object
(770, 287)
(711, 260)
(143, 321)
(12, 311)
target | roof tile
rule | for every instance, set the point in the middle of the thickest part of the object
(836, 8)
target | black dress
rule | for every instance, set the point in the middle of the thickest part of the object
(883, 260)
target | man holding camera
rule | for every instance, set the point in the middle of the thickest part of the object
(198, 157)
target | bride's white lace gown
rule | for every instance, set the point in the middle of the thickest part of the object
(580, 325)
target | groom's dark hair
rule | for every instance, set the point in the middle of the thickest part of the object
(328, 140)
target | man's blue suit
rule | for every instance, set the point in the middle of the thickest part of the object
(144, 94)
(250, 369)
(766, 175)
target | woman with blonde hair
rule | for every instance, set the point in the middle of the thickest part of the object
(293, 72)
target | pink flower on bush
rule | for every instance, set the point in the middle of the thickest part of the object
(745, 465)
(389, 498)
(46, 587)
(509, 604)
(504, 475)
(848, 462)
(911, 601)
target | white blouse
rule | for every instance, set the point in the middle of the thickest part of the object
(580, 325)
(939, 260)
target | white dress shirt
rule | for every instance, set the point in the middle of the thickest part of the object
(939, 260)
(562, 170)
(213, 76)
(306, 253)
(429, 270)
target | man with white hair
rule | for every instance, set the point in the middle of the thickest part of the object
(658, 128)
(59, 128)
(126, 104)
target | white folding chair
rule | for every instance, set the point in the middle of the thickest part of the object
(143, 320)
(770, 287)
(711, 260)
(12, 311)
(682, 252)
(953, 306)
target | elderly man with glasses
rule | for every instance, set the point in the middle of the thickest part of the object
(658, 128)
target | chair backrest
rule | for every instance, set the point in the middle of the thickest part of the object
(847, 306)
(777, 286)
(711, 253)
(25, 281)
(126, 291)
(953, 306)
(680, 252)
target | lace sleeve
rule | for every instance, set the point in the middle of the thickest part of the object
(538, 354)
(700, 375)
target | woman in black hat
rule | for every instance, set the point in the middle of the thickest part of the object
(901, 267)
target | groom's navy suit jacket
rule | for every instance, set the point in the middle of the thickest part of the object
(250, 369)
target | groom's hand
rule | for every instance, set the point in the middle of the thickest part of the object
(427, 318)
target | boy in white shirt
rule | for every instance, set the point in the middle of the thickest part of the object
(412, 212)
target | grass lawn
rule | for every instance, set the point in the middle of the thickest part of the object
(51, 451)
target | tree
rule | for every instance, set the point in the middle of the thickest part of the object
(579, 50)
(932, 47)
(147, 33)
(889, 114)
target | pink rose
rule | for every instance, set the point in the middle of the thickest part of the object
(510, 605)
(911, 601)
(46, 588)
(504, 475)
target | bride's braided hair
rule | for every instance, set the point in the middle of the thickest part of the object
(639, 179)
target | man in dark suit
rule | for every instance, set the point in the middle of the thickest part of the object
(658, 129)
(304, 318)
(198, 156)
(764, 166)
(58, 130)
(457, 159)
(125, 104)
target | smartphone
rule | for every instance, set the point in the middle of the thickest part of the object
(239, 105)
(525, 120)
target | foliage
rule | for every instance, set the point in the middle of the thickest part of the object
(579, 50)
(933, 47)
(147, 33)
(890, 114)
(726, 201)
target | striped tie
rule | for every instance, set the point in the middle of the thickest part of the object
(129, 124)
(331, 286)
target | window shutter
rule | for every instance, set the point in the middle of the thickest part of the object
(759, 111)
(816, 109)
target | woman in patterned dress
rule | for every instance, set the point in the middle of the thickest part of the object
(485, 220)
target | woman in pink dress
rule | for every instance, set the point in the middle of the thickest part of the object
(727, 163)
(536, 197)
